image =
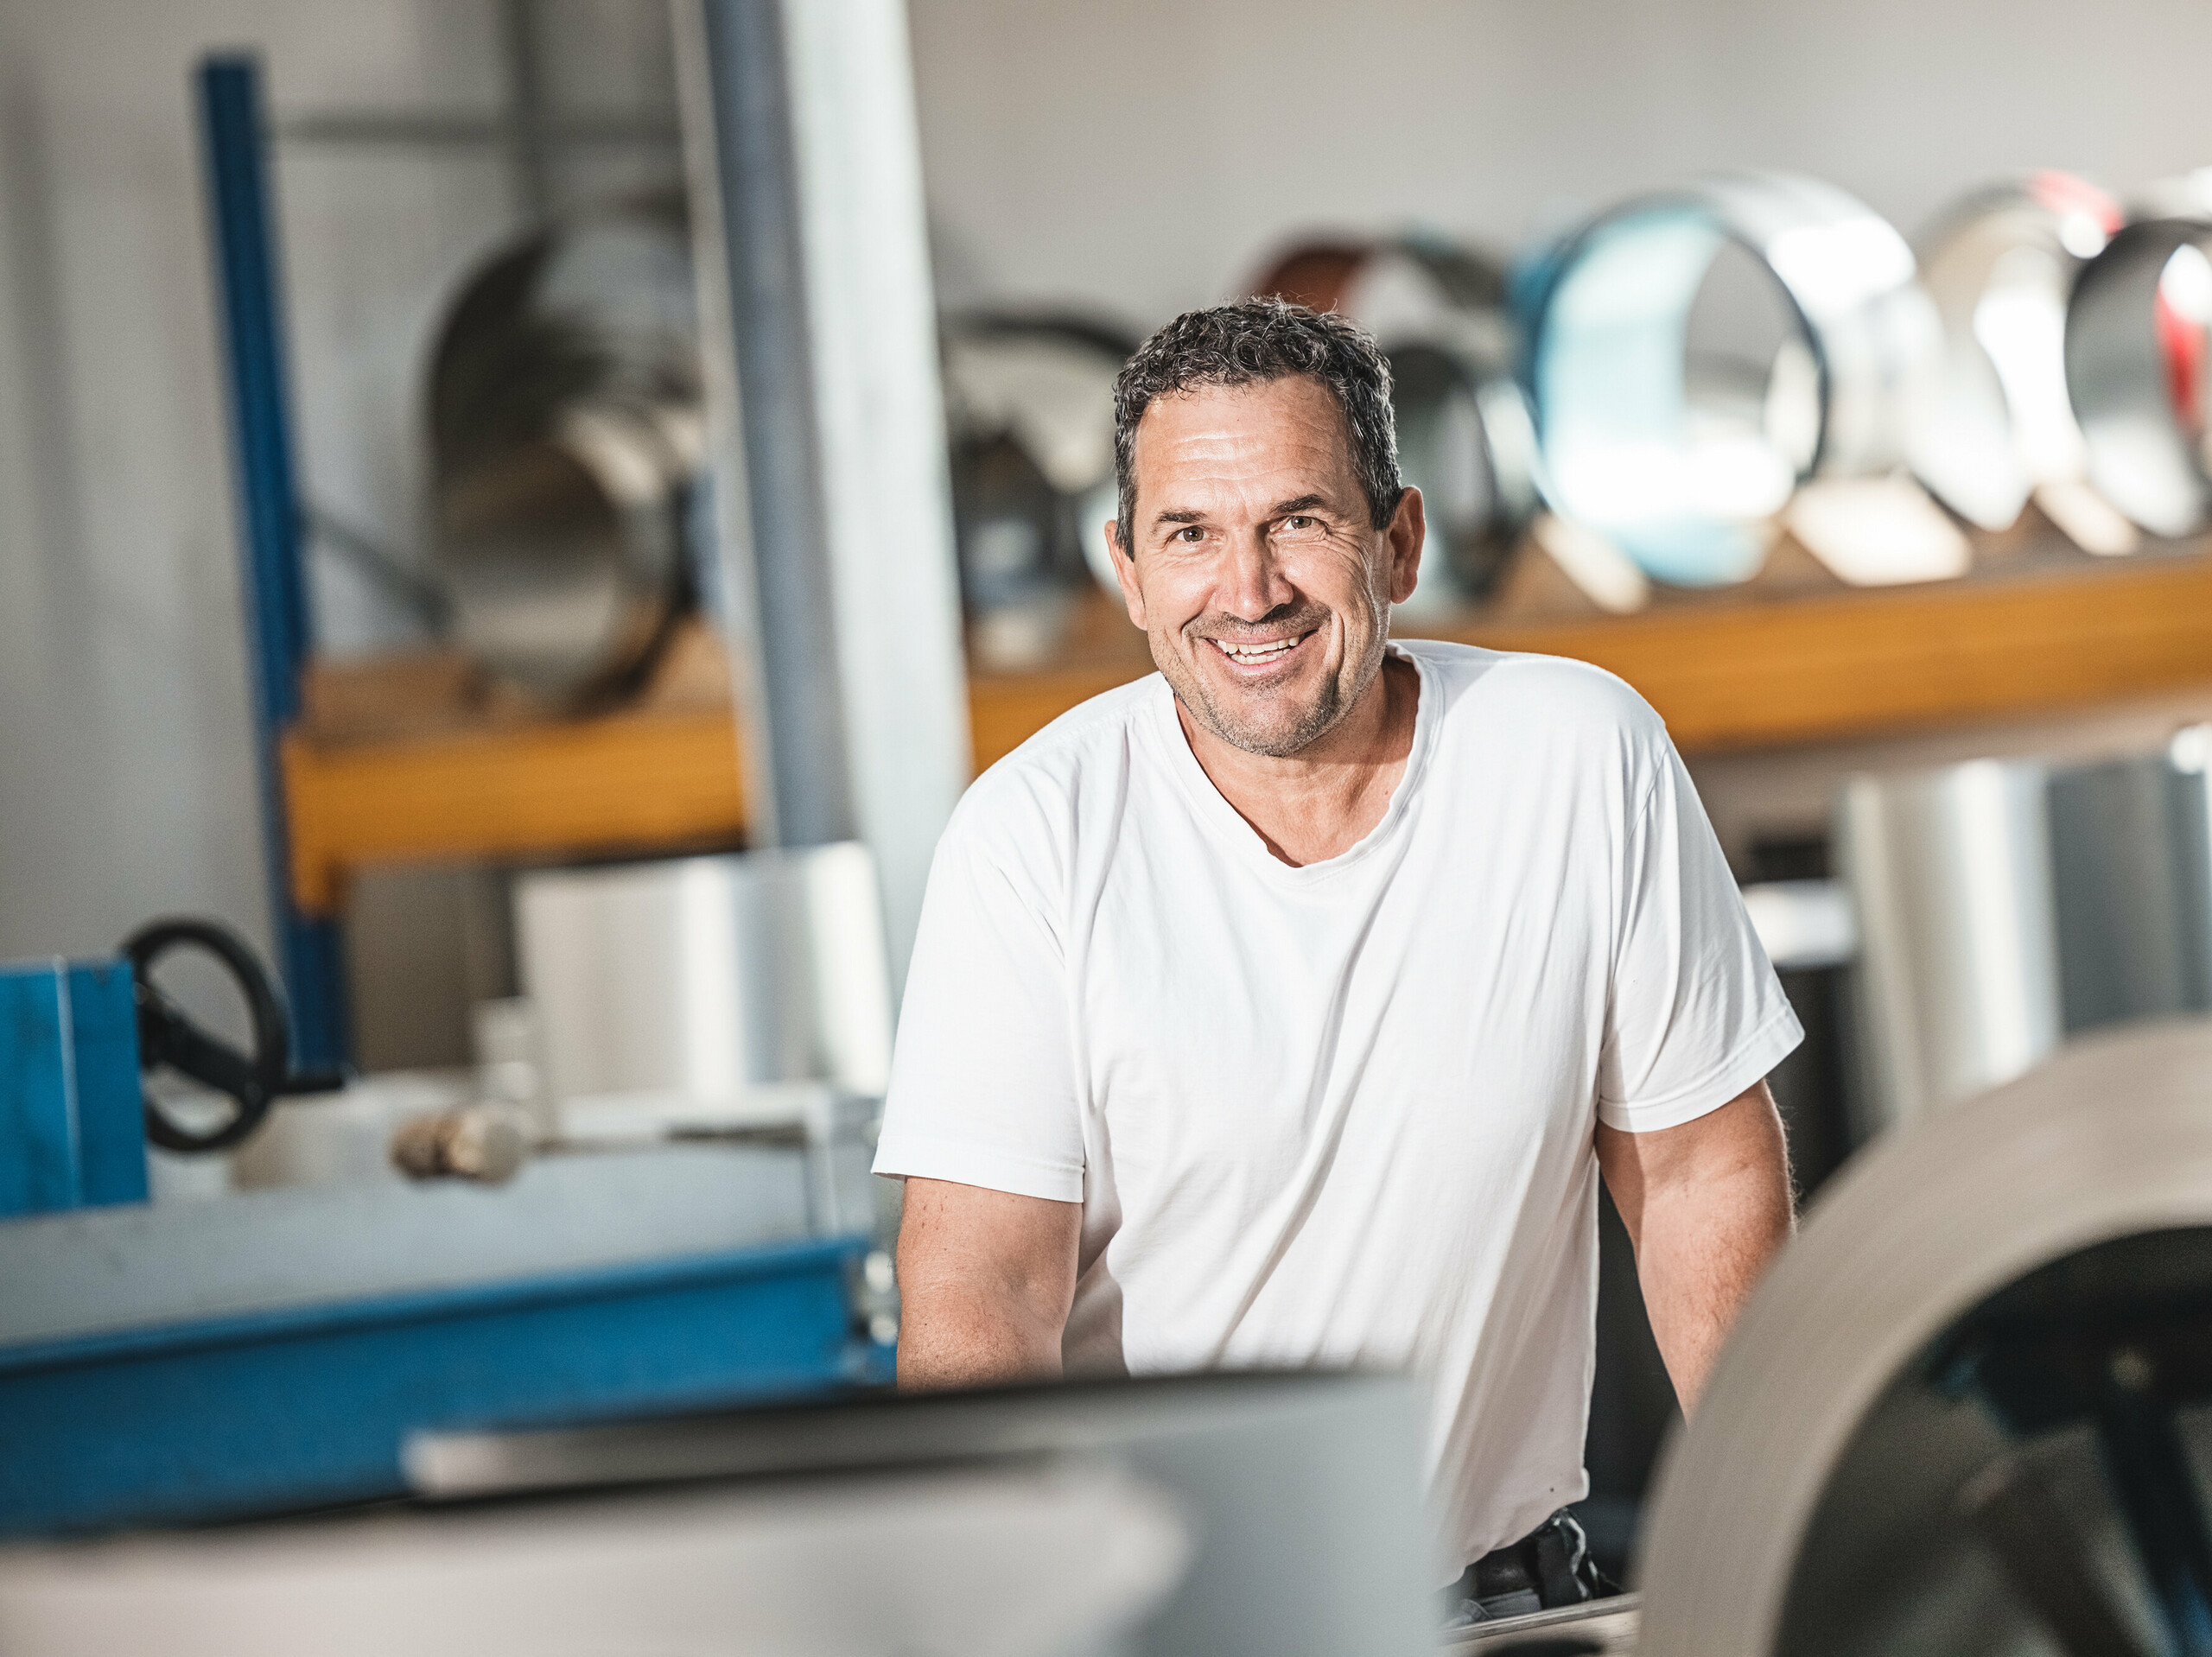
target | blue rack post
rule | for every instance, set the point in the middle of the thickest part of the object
(277, 627)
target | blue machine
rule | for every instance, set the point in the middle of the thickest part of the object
(269, 1351)
(273, 1350)
(70, 1132)
(302, 1406)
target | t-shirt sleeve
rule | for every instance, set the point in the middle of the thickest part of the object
(1696, 1014)
(982, 1087)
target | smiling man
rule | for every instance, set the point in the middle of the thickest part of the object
(1284, 1009)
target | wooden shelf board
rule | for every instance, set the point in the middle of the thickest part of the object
(1726, 671)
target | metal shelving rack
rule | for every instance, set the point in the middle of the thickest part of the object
(237, 139)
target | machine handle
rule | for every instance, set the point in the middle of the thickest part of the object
(166, 1036)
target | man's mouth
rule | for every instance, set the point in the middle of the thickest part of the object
(1260, 652)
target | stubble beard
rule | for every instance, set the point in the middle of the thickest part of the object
(1274, 739)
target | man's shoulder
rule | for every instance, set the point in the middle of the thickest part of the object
(1542, 698)
(1046, 775)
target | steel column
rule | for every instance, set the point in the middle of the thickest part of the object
(819, 333)
(278, 633)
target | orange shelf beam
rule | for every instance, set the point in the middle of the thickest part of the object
(1729, 672)
(625, 782)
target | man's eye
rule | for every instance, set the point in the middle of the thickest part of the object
(1189, 534)
(1298, 521)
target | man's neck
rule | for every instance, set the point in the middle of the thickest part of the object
(1320, 801)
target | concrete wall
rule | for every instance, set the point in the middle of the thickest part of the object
(1142, 156)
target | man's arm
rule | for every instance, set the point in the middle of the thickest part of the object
(1707, 1205)
(985, 1281)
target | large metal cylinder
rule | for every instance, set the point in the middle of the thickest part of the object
(1964, 1413)
(2000, 264)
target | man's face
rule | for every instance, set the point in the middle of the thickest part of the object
(1258, 575)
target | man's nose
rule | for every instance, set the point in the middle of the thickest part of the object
(1251, 582)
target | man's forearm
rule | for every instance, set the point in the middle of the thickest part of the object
(1707, 1211)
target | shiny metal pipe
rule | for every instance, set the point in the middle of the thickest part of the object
(1622, 451)
(1957, 983)
(2000, 264)
(2135, 365)
(2004, 906)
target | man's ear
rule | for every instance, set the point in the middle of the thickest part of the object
(1402, 543)
(1125, 572)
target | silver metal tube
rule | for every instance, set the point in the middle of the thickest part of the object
(1612, 412)
(1999, 265)
(827, 426)
(2146, 456)
(1957, 983)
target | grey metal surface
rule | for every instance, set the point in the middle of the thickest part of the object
(1302, 1490)
(1029, 401)
(2146, 455)
(1465, 438)
(110, 1269)
(759, 336)
(2131, 867)
(1004, 1561)
(691, 979)
(828, 421)
(1818, 1479)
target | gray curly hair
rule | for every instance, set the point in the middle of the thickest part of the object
(1249, 342)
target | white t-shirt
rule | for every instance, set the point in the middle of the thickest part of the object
(1340, 1115)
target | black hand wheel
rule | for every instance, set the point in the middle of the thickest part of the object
(166, 1036)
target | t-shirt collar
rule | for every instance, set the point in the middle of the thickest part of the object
(1224, 819)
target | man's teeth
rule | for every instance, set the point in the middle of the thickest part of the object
(1266, 651)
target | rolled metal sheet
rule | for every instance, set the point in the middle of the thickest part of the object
(566, 439)
(2136, 361)
(2000, 264)
(1691, 498)
(1831, 1493)
(1464, 438)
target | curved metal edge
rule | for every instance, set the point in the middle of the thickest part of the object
(2116, 376)
(1959, 254)
(1846, 273)
(2112, 1138)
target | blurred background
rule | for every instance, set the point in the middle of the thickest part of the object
(429, 553)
